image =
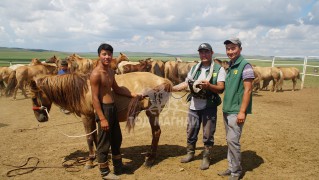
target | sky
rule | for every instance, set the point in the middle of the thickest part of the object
(265, 27)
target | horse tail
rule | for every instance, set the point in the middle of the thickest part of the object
(298, 75)
(132, 113)
(12, 83)
(281, 80)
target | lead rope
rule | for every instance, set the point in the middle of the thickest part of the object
(24, 169)
(79, 135)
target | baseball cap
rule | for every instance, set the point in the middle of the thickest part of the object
(233, 40)
(205, 46)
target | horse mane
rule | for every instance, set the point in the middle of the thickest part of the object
(67, 91)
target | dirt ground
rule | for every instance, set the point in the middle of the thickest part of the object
(280, 141)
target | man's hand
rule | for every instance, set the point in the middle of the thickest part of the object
(140, 96)
(204, 84)
(241, 117)
(104, 125)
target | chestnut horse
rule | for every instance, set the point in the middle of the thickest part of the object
(4, 76)
(267, 74)
(290, 73)
(20, 77)
(79, 64)
(60, 91)
(73, 64)
(142, 66)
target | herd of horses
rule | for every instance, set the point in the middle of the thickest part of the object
(153, 78)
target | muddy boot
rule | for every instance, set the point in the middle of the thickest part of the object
(106, 173)
(206, 158)
(190, 154)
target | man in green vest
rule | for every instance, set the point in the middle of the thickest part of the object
(237, 104)
(205, 80)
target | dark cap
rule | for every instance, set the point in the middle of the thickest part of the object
(205, 46)
(64, 63)
(233, 41)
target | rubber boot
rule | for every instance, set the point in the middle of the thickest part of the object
(117, 166)
(206, 158)
(190, 154)
(106, 173)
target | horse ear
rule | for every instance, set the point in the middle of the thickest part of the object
(121, 54)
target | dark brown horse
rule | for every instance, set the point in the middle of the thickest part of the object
(142, 66)
(60, 90)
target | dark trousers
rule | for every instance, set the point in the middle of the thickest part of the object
(111, 138)
(208, 117)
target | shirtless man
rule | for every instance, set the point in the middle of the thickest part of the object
(102, 81)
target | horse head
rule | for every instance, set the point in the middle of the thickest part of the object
(145, 65)
(41, 104)
(35, 61)
(52, 59)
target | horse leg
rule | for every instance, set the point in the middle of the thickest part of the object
(23, 89)
(156, 133)
(294, 82)
(275, 85)
(15, 92)
(90, 126)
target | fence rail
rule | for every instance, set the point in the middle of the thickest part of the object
(277, 59)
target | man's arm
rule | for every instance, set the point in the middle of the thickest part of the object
(246, 100)
(180, 86)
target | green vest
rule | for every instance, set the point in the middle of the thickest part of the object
(213, 99)
(234, 88)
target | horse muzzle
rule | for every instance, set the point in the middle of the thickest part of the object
(42, 118)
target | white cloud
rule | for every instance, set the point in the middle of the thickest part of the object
(266, 27)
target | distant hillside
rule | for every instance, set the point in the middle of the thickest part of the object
(12, 54)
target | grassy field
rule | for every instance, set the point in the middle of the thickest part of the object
(24, 56)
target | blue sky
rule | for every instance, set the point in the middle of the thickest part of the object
(266, 27)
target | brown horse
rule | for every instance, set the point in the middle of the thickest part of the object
(20, 77)
(224, 63)
(182, 69)
(158, 67)
(170, 72)
(142, 66)
(60, 91)
(54, 59)
(115, 61)
(267, 74)
(290, 73)
(79, 64)
(4, 76)
(35, 61)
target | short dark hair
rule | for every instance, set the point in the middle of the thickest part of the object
(105, 47)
